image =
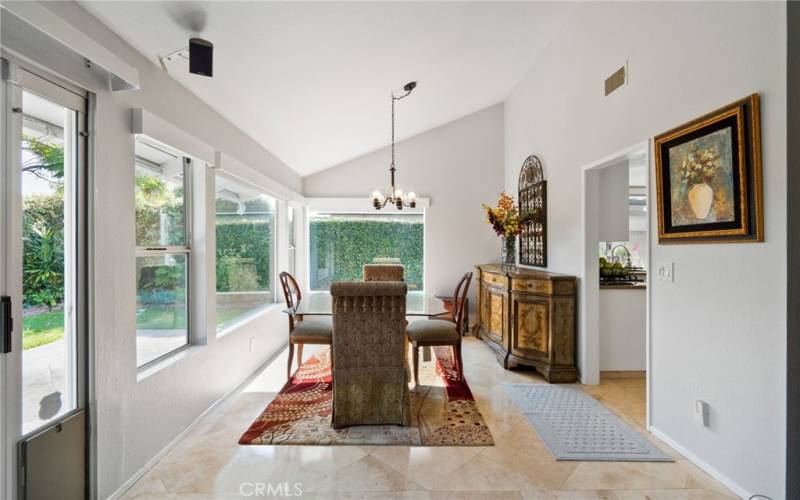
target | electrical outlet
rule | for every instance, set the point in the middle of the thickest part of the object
(666, 272)
(252, 343)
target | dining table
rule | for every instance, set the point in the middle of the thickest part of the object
(418, 305)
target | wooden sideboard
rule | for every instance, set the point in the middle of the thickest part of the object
(528, 318)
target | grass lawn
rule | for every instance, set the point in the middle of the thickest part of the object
(44, 328)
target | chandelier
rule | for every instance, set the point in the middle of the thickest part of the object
(396, 196)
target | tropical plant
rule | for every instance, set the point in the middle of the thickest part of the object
(157, 203)
(42, 226)
(47, 160)
(43, 266)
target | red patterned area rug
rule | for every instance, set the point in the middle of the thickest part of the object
(444, 413)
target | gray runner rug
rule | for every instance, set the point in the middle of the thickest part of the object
(577, 427)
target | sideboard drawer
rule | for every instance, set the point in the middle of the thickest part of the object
(532, 286)
(496, 279)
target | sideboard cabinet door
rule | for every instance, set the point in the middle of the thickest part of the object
(497, 305)
(531, 323)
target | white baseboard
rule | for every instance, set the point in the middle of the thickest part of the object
(711, 471)
(161, 454)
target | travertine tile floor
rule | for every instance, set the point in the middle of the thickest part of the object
(209, 463)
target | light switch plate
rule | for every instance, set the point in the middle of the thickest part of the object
(701, 412)
(666, 272)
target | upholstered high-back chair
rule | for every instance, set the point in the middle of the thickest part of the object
(440, 332)
(383, 272)
(370, 376)
(311, 330)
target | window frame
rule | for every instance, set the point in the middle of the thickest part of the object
(185, 249)
(223, 329)
(291, 239)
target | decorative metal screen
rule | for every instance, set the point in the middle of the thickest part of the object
(533, 201)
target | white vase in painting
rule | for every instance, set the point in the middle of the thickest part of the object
(701, 196)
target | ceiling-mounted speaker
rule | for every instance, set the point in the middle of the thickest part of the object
(201, 57)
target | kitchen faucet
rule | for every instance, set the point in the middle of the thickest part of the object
(627, 255)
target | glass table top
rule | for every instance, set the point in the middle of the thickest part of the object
(417, 304)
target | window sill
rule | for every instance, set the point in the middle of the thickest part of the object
(248, 317)
(170, 359)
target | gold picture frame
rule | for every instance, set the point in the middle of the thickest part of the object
(708, 177)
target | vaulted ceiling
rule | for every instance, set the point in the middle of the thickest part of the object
(311, 82)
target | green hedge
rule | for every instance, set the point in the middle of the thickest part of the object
(243, 253)
(341, 246)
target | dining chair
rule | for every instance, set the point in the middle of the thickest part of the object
(370, 375)
(383, 272)
(318, 331)
(441, 332)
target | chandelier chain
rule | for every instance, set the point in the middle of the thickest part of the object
(394, 197)
(393, 99)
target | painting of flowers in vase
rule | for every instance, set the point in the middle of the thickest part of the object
(708, 177)
(702, 180)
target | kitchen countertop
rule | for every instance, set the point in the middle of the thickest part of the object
(627, 286)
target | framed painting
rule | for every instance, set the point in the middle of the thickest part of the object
(708, 177)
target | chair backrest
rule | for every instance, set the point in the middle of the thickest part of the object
(460, 300)
(383, 272)
(291, 294)
(370, 384)
(369, 320)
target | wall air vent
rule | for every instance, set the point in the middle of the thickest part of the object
(617, 79)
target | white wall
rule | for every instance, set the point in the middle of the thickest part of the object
(135, 420)
(718, 331)
(458, 166)
(622, 329)
(614, 213)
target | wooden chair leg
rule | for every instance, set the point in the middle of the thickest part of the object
(299, 355)
(457, 348)
(289, 366)
(415, 361)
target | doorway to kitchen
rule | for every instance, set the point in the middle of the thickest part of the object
(614, 335)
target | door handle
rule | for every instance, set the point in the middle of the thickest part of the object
(6, 324)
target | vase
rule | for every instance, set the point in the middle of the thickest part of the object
(701, 196)
(508, 253)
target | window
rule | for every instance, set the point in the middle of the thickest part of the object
(290, 228)
(245, 229)
(162, 251)
(340, 245)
